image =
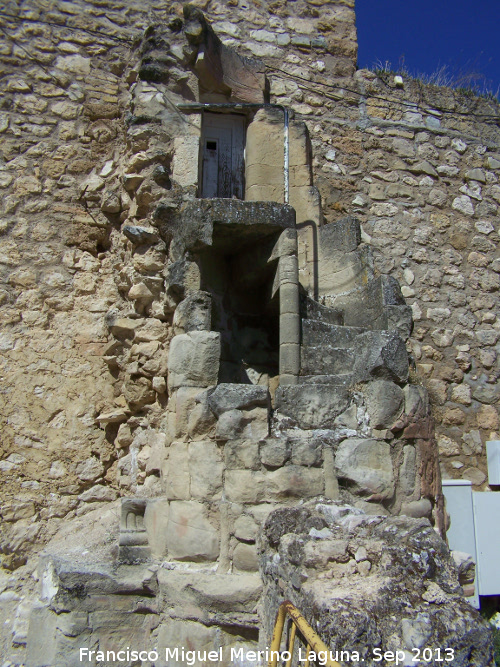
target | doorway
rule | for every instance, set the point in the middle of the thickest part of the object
(222, 156)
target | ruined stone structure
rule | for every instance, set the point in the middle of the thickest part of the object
(206, 220)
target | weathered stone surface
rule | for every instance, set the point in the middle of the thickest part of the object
(194, 229)
(366, 465)
(199, 637)
(291, 481)
(98, 493)
(245, 528)
(193, 313)
(384, 402)
(192, 414)
(189, 534)
(344, 235)
(90, 469)
(381, 355)
(140, 235)
(205, 469)
(326, 360)
(21, 622)
(176, 472)
(245, 558)
(250, 425)
(209, 594)
(138, 392)
(41, 642)
(20, 509)
(417, 508)
(408, 471)
(141, 294)
(89, 155)
(312, 406)
(237, 397)
(193, 359)
(124, 327)
(240, 454)
(466, 567)
(245, 486)
(400, 320)
(181, 277)
(475, 475)
(274, 452)
(185, 633)
(487, 417)
(348, 419)
(295, 481)
(337, 562)
(306, 449)
(486, 394)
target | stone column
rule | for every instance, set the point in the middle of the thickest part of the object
(133, 540)
(289, 316)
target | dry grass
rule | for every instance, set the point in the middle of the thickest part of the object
(468, 81)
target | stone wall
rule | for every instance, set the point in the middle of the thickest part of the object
(359, 583)
(75, 155)
(99, 171)
(418, 165)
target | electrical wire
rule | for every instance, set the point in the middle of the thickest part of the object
(42, 66)
(28, 54)
(369, 96)
(301, 81)
(22, 19)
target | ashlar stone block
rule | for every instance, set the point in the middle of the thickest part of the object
(194, 359)
(195, 597)
(228, 396)
(381, 354)
(366, 465)
(156, 520)
(312, 406)
(243, 424)
(241, 454)
(193, 313)
(294, 481)
(205, 469)
(245, 557)
(192, 414)
(384, 401)
(245, 486)
(200, 638)
(190, 535)
(176, 472)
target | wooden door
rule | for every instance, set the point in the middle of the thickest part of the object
(222, 153)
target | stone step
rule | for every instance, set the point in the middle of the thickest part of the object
(339, 380)
(326, 360)
(313, 310)
(343, 235)
(317, 333)
(366, 306)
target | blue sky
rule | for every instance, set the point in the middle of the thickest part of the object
(426, 34)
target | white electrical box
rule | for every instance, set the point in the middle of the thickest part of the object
(493, 454)
(475, 528)
(487, 526)
(461, 533)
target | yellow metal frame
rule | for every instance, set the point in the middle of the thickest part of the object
(313, 640)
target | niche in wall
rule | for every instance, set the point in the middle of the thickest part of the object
(237, 272)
